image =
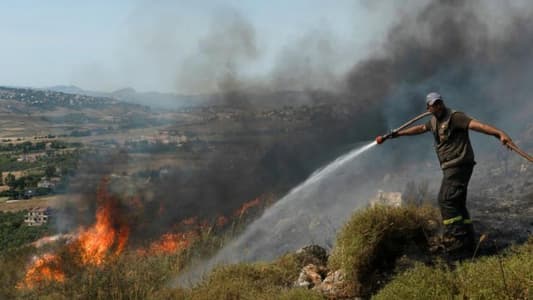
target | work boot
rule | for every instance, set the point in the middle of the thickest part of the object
(458, 247)
(470, 242)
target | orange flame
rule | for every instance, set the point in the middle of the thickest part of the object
(96, 242)
(172, 242)
(221, 221)
(189, 221)
(44, 269)
(246, 206)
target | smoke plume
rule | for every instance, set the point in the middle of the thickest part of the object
(480, 66)
(453, 47)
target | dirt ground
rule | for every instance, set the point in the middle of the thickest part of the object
(47, 201)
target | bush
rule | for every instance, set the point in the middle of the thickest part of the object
(129, 276)
(254, 281)
(496, 277)
(369, 244)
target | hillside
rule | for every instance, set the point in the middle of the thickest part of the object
(172, 188)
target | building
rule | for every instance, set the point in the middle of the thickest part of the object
(49, 183)
(38, 216)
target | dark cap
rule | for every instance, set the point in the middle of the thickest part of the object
(432, 97)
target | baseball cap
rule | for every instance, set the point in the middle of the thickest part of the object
(432, 97)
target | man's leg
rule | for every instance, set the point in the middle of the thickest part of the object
(469, 241)
(452, 202)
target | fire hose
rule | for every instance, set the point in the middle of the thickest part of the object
(380, 139)
(520, 152)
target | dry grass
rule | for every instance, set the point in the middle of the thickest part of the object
(369, 244)
(506, 276)
(47, 201)
(367, 247)
(252, 281)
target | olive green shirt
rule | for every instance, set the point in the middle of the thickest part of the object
(452, 142)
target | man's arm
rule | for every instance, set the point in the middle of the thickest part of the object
(413, 130)
(487, 129)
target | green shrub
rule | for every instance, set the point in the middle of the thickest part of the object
(15, 233)
(371, 241)
(507, 276)
(300, 294)
(252, 281)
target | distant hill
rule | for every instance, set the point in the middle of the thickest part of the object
(242, 99)
(47, 99)
(155, 100)
(69, 89)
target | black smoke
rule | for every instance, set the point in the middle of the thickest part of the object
(451, 47)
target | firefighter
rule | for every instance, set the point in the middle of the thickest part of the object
(452, 143)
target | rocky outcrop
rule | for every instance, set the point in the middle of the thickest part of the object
(310, 276)
(315, 275)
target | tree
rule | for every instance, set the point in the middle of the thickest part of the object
(11, 181)
(50, 171)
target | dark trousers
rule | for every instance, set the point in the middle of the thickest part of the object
(452, 202)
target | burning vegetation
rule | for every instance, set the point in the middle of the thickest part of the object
(103, 242)
(107, 237)
(43, 270)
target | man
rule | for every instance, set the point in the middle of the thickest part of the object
(452, 144)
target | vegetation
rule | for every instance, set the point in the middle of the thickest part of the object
(369, 244)
(14, 233)
(505, 276)
(368, 250)
(53, 159)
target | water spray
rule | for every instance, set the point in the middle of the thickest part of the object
(380, 139)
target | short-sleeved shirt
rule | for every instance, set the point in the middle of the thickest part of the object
(459, 120)
(452, 142)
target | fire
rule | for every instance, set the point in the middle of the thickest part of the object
(44, 269)
(221, 221)
(173, 242)
(96, 242)
(189, 221)
(246, 206)
(107, 238)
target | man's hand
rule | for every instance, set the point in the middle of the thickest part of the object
(505, 139)
(490, 130)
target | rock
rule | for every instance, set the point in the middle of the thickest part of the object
(310, 276)
(312, 254)
(314, 259)
(333, 286)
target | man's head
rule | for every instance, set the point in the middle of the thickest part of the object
(435, 105)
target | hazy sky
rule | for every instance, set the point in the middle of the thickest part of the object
(107, 45)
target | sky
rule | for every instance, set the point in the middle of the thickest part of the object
(150, 45)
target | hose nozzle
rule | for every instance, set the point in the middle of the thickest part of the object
(381, 138)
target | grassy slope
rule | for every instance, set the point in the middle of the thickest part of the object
(505, 276)
(368, 249)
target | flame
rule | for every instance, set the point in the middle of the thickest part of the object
(108, 238)
(44, 269)
(171, 243)
(97, 241)
(221, 221)
(189, 221)
(246, 206)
